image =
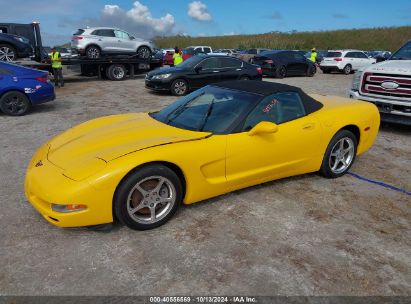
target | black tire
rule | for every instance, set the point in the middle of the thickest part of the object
(245, 77)
(311, 71)
(7, 52)
(144, 52)
(93, 52)
(179, 87)
(116, 72)
(129, 197)
(14, 103)
(281, 72)
(326, 166)
(326, 71)
(347, 69)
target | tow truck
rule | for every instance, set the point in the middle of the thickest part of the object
(116, 67)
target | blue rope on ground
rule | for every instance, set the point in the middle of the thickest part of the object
(379, 183)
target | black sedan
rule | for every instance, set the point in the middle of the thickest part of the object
(13, 47)
(280, 64)
(199, 71)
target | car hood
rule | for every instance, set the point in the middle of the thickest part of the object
(102, 140)
(391, 66)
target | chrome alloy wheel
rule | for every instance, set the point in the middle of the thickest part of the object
(151, 199)
(180, 87)
(144, 52)
(6, 54)
(93, 53)
(342, 155)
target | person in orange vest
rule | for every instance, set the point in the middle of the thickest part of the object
(57, 68)
(178, 56)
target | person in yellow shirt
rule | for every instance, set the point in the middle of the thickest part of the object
(177, 56)
(314, 54)
(57, 68)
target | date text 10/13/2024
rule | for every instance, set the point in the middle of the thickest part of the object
(203, 299)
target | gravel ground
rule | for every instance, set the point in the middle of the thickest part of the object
(304, 235)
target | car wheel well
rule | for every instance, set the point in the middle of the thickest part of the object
(176, 169)
(92, 44)
(16, 90)
(354, 130)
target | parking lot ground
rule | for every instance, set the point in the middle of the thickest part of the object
(303, 235)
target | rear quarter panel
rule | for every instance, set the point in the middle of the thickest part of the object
(339, 113)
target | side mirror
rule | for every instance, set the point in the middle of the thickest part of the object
(380, 59)
(264, 127)
(132, 38)
(198, 69)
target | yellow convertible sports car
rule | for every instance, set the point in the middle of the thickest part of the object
(140, 167)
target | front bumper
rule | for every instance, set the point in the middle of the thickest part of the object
(46, 184)
(158, 85)
(389, 112)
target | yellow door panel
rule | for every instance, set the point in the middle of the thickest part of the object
(293, 149)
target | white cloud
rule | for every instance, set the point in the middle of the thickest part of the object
(138, 20)
(198, 11)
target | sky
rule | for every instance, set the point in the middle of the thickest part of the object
(150, 18)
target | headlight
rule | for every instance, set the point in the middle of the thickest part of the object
(356, 81)
(19, 39)
(162, 76)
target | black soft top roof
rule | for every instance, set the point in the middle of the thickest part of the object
(266, 88)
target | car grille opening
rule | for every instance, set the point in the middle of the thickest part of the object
(373, 84)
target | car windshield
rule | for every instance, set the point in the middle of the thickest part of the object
(333, 54)
(404, 53)
(210, 109)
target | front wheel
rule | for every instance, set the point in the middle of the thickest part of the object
(14, 103)
(144, 52)
(148, 198)
(281, 72)
(340, 154)
(179, 87)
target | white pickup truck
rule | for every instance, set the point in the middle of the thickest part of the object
(388, 85)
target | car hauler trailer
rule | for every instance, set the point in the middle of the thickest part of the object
(115, 67)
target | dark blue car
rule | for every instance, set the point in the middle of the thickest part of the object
(21, 88)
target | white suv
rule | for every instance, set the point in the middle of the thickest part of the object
(95, 41)
(345, 61)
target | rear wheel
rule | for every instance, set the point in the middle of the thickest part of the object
(7, 52)
(93, 52)
(14, 103)
(347, 69)
(144, 52)
(311, 70)
(148, 198)
(326, 71)
(340, 154)
(179, 87)
(116, 72)
(281, 72)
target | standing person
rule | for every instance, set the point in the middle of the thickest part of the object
(57, 67)
(313, 57)
(178, 56)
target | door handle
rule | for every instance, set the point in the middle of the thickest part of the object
(308, 126)
(238, 69)
(216, 71)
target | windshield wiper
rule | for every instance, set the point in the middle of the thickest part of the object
(209, 110)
